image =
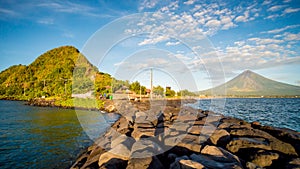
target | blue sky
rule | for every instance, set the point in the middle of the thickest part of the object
(206, 42)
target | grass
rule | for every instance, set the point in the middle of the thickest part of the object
(86, 103)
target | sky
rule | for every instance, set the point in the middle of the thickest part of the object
(187, 44)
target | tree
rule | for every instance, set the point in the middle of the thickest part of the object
(185, 92)
(170, 92)
(158, 90)
(136, 87)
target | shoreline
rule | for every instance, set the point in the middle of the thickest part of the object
(179, 136)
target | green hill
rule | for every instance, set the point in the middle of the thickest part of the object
(57, 72)
(249, 83)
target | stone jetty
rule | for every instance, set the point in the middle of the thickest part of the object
(169, 134)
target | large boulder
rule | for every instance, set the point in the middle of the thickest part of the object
(122, 126)
(233, 123)
(286, 135)
(219, 137)
(293, 163)
(146, 162)
(264, 158)
(220, 154)
(144, 148)
(212, 162)
(243, 143)
(123, 139)
(120, 154)
(260, 139)
(186, 164)
(139, 133)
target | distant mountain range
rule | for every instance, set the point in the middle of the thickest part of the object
(250, 84)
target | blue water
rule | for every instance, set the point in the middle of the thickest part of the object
(277, 112)
(43, 137)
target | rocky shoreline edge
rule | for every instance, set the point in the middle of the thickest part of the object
(107, 107)
(168, 134)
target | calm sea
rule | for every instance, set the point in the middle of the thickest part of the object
(43, 137)
(278, 112)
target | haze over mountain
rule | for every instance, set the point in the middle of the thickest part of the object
(249, 83)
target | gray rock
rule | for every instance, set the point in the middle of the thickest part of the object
(180, 126)
(220, 154)
(294, 163)
(148, 162)
(264, 158)
(211, 162)
(271, 141)
(123, 139)
(145, 148)
(186, 164)
(196, 130)
(120, 153)
(138, 133)
(250, 165)
(219, 137)
(243, 142)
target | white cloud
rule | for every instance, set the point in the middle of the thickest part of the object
(267, 2)
(287, 1)
(8, 12)
(46, 21)
(272, 16)
(292, 37)
(72, 8)
(276, 8)
(189, 2)
(227, 23)
(213, 23)
(153, 40)
(172, 43)
(291, 10)
(146, 4)
(243, 18)
(260, 41)
(68, 35)
(253, 53)
(282, 29)
(228, 26)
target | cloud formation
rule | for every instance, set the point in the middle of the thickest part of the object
(268, 49)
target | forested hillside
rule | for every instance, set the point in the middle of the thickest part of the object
(58, 72)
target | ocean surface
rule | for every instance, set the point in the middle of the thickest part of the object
(44, 137)
(277, 112)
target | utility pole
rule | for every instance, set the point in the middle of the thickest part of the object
(65, 88)
(140, 93)
(151, 83)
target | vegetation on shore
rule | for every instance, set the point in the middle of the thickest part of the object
(86, 103)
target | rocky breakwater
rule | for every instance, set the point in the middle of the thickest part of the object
(167, 134)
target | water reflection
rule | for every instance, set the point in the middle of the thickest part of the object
(38, 137)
